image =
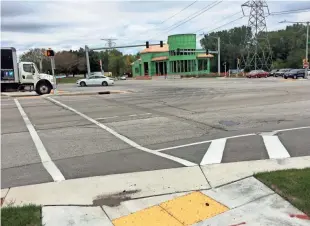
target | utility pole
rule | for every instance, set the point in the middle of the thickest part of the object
(257, 52)
(218, 52)
(87, 60)
(219, 56)
(307, 42)
(110, 42)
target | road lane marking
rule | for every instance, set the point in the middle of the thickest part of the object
(275, 148)
(46, 160)
(117, 116)
(203, 142)
(214, 153)
(106, 117)
(296, 128)
(123, 138)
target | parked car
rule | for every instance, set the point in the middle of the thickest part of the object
(258, 74)
(295, 73)
(124, 77)
(95, 80)
(281, 72)
(273, 72)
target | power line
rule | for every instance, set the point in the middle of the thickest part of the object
(289, 12)
(195, 16)
(225, 24)
(192, 16)
(221, 20)
(178, 12)
(186, 7)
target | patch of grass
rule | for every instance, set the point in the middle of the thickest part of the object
(67, 80)
(28, 215)
(293, 185)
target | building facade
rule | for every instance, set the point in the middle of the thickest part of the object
(178, 57)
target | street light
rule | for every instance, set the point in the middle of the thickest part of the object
(307, 41)
(218, 52)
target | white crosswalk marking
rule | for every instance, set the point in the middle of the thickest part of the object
(214, 153)
(275, 148)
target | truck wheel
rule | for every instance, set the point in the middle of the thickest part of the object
(43, 88)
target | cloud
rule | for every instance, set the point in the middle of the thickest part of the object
(74, 24)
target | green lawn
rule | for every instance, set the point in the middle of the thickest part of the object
(67, 80)
(29, 215)
(293, 185)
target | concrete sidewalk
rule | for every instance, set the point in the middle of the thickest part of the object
(219, 194)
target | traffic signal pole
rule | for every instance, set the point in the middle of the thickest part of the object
(307, 53)
(87, 49)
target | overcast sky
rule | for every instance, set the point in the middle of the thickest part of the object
(72, 24)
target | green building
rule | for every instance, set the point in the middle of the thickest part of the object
(177, 57)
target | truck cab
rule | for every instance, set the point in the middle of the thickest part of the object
(30, 76)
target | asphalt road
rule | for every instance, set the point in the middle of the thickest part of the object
(159, 124)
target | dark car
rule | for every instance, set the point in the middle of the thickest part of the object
(273, 72)
(281, 72)
(295, 73)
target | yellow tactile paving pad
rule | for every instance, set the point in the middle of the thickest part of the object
(192, 208)
(154, 216)
(184, 210)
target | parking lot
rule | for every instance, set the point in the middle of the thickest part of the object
(158, 124)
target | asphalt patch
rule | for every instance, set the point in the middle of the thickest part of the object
(113, 200)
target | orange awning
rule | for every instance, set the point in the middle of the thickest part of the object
(203, 55)
(162, 58)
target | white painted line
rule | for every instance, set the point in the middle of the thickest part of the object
(203, 142)
(122, 116)
(296, 128)
(123, 138)
(45, 158)
(275, 148)
(214, 153)
(107, 117)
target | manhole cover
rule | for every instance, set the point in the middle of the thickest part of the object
(229, 123)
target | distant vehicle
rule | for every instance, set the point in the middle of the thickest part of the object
(17, 76)
(282, 71)
(96, 73)
(273, 72)
(257, 74)
(95, 81)
(124, 77)
(295, 73)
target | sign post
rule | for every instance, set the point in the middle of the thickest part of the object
(51, 54)
(224, 64)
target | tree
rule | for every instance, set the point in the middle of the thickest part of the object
(34, 55)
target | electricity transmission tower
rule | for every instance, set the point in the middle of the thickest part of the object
(110, 42)
(256, 54)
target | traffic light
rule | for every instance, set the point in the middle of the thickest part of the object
(147, 44)
(207, 51)
(49, 53)
(161, 44)
(178, 51)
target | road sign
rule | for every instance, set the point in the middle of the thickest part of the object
(306, 65)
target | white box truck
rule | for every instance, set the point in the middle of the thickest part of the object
(16, 76)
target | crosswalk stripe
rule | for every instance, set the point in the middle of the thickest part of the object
(275, 148)
(215, 152)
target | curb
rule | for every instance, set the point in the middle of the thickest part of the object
(68, 94)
